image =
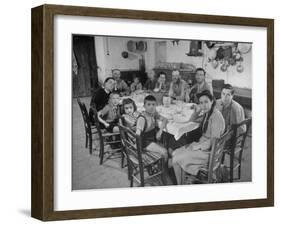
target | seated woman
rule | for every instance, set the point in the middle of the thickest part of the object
(193, 157)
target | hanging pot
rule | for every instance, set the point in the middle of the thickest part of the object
(231, 61)
(244, 47)
(212, 54)
(131, 46)
(240, 68)
(141, 46)
(220, 54)
(237, 56)
(125, 54)
(210, 44)
(224, 67)
(215, 64)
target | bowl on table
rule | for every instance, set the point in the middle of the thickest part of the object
(166, 101)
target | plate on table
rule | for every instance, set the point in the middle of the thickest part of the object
(178, 118)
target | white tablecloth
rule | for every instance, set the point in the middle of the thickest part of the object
(177, 114)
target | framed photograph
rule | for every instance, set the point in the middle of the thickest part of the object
(142, 112)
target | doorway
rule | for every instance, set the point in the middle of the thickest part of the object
(85, 78)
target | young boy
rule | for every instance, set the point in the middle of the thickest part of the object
(108, 116)
(147, 126)
(136, 85)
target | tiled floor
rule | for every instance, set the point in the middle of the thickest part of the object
(87, 173)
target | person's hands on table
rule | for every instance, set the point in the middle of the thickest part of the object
(196, 107)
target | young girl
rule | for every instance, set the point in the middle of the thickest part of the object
(196, 155)
(130, 113)
(108, 116)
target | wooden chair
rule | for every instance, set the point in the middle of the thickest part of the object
(90, 129)
(236, 146)
(107, 138)
(215, 171)
(143, 166)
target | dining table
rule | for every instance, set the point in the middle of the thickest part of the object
(177, 113)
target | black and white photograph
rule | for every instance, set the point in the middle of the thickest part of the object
(158, 112)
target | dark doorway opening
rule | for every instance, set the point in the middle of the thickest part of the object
(85, 75)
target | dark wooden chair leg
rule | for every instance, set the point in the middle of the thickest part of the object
(223, 158)
(90, 141)
(101, 152)
(122, 159)
(129, 172)
(164, 172)
(231, 166)
(239, 171)
(131, 178)
(86, 145)
(240, 163)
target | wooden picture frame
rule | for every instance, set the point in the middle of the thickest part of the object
(42, 204)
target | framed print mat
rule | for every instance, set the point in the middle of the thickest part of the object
(89, 65)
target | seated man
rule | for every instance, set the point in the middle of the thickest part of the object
(232, 111)
(121, 86)
(150, 82)
(100, 98)
(177, 87)
(201, 85)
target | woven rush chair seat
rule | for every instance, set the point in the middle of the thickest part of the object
(143, 166)
(107, 138)
(215, 170)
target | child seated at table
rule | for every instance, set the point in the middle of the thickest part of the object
(147, 126)
(108, 116)
(136, 85)
(129, 113)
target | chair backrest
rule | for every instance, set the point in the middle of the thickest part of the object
(240, 134)
(85, 114)
(95, 119)
(216, 169)
(132, 144)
